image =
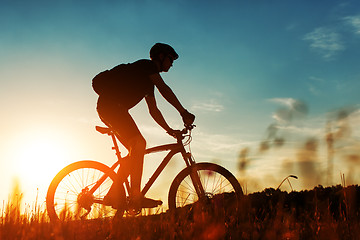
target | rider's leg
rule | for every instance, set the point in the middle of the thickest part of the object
(137, 147)
(126, 130)
(129, 135)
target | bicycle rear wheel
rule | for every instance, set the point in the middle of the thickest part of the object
(69, 196)
(221, 188)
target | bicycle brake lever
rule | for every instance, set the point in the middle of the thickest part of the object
(189, 127)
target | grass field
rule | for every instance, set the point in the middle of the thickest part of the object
(320, 213)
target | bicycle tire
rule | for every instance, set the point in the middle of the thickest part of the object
(218, 183)
(64, 191)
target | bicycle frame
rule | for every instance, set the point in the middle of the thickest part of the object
(173, 149)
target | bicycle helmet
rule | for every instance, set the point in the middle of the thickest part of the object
(163, 48)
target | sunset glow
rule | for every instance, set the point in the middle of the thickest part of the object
(274, 87)
(36, 158)
(40, 159)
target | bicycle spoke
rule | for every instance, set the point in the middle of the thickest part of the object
(71, 187)
(214, 179)
(215, 183)
(72, 199)
(189, 186)
(207, 180)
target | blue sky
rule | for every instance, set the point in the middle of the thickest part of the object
(244, 66)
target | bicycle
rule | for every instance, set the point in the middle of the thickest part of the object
(78, 190)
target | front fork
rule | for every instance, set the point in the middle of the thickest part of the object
(194, 175)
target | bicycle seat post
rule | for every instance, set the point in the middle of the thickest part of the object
(116, 146)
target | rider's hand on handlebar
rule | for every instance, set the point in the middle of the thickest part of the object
(173, 132)
(188, 118)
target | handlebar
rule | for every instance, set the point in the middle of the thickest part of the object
(180, 134)
(188, 128)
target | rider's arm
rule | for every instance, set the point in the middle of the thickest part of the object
(166, 92)
(169, 95)
(156, 114)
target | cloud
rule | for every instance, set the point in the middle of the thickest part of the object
(292, 109)
(315, 91)
(354, 22)
(303, 130)
(210, 106)
(218, 142)
(315, 85)
(316, 79)
(326, 41)
(291, 26)
(284, 101)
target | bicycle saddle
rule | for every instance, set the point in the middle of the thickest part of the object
(103, 130)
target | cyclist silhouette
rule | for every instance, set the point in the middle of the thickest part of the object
(125, 86)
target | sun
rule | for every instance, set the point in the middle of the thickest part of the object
(38, 158)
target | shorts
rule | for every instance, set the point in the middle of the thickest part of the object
(118, 118)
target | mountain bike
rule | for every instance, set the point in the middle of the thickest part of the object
(78, 190)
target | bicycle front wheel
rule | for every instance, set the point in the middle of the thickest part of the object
(221, 188)
(72, 196)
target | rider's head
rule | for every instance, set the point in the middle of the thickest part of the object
(164, 55)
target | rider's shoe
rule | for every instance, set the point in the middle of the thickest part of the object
(109, 200)
(150, 203)
(113, 200)
(144, 202)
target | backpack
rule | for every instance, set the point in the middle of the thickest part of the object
(101, 82)
(105, 81)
